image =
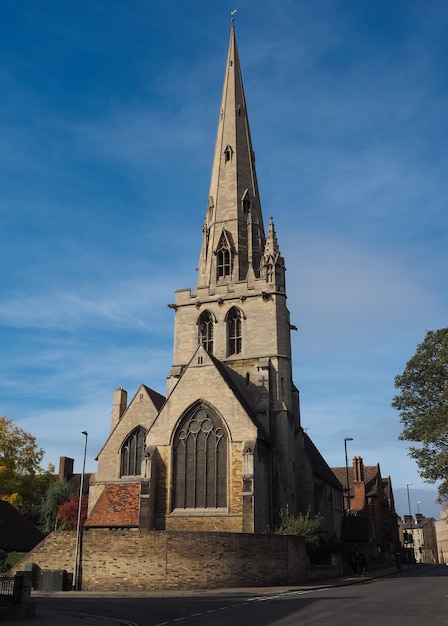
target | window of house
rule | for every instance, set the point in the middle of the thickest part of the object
(200, 461)
(234, 331)
(132, 453)
(205, 331)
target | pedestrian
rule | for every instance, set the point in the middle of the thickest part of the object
(361, 559)
(354, 564)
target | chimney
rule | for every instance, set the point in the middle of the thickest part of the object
(65, 468)
(358, 469)
(119, 406)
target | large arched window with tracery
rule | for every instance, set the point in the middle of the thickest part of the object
(234, 331)
(205, 331)
(200, 461)
(132, 453)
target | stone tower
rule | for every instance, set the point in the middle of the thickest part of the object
(225, 451)
(238, 312)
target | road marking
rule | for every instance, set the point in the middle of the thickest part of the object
(283, 594)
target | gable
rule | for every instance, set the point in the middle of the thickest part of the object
(206, 379)
(141, 412)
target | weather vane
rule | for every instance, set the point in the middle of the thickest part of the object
(232, 13)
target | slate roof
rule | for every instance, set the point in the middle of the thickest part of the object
(157, 398)
(117, 506)
(17, 534)
(319, 465)
(228, 376)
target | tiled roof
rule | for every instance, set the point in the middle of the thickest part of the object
(117, 506)
(371, 472)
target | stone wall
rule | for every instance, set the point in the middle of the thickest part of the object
(128, 559)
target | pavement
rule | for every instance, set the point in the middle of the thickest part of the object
(44, 616)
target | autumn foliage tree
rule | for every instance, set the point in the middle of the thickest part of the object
(68, 512)
(23, 482)
(423, 406)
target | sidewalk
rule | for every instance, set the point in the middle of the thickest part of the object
(45, 617)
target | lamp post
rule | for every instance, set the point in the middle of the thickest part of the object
(78, 523)
(410, 515)
(346, 472)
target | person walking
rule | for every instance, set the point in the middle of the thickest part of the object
(361, 560)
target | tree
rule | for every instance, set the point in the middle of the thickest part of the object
(423, 406)
(23, 482)
(56, 494)
(303, 525)
(68, 512)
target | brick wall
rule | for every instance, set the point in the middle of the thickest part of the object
(128, 559)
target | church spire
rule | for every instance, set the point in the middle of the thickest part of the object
(233, 236)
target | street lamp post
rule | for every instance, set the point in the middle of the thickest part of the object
(78, 523)
(346, 472)
(410, 515)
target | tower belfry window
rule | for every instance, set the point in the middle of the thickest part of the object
(205, 331)
(223, 258)
(234, 331)
(223, 262)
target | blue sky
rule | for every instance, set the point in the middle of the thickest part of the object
(108, 117)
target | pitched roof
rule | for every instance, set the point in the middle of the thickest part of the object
(117, 506)
(16, 532)
(371, 473)
(157, 398)
(228, 374)
(319, 465)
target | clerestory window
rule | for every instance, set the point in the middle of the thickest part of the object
(205, 331)
(234, 331)
(132, 453)
(200, 460)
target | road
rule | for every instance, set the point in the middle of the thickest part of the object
(417, 597)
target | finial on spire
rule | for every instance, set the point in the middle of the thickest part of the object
(232, 13)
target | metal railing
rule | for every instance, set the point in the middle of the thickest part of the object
(10, 589)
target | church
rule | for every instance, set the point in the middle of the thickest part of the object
(225, 450)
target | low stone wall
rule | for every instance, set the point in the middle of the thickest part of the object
(127, 559)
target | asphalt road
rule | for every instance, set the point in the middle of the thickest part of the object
(417, 597)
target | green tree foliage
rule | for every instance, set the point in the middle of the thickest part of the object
(423, 406)
(23, 482)
(56, 494)
(303, 525)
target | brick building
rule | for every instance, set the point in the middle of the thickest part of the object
(371, 519)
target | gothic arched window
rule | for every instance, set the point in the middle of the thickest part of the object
(205, 331)
(234, 331)
(200, 461)
(223, 258)
(132, 453)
